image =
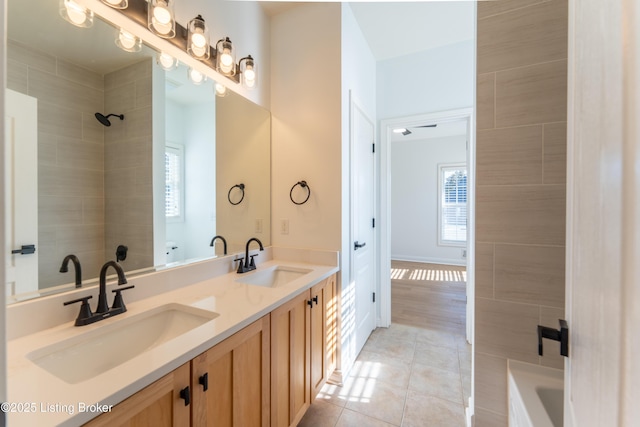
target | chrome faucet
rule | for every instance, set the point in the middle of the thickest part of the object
(224, 243)
(86, 317)
(64, 268)
(249, 263)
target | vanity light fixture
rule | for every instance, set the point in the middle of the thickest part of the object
(161, 19)
(117, 4)
(196, 76)
(225, 58)
(128, 42)
(248, 75)
(198, 39)
(220, 90)
(166, 61)
(75, 14)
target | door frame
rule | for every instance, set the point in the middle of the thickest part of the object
(383, 237)
(384, 207)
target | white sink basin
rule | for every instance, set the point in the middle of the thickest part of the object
(87, 355)
(272, 277)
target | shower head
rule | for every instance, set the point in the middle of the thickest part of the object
(105, 119)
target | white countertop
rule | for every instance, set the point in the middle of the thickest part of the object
(52, 401)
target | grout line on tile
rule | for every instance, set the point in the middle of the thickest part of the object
(495, 100)
(493, 271)
(513, 10)
(535, 64)
(542, 144)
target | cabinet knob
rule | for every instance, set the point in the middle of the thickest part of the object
(204, 381)
(186, 395)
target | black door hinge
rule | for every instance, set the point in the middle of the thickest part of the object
(373, 147)
(373, 222)
(374, 297)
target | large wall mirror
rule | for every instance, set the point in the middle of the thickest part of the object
(179, 168)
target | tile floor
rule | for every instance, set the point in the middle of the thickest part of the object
(405, 376)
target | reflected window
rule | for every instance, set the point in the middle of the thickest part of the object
(174, 182)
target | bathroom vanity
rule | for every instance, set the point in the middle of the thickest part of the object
(232, 349)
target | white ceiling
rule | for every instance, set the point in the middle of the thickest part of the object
(400, 28)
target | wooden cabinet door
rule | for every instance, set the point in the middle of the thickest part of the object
(324, 339)
(290, 343)
(157, 405)
(236, 376)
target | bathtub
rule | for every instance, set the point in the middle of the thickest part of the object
(535, 395)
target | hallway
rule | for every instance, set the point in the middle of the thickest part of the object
(415, 373)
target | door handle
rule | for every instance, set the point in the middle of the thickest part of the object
(357, 245)
(25, 250)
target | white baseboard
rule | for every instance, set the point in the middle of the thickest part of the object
(429, 260)
(468, 411)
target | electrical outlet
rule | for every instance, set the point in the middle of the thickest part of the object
(258, 226)
(284, 226)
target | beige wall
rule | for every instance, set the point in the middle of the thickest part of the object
(242, 156)
(128, 161)
(306, 125)
(520, 209)
(70, 159)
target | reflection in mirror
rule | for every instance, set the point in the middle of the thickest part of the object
(151, 181)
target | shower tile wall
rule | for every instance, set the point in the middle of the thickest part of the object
(128, 158)
(70, 158)
(93, 181)
(521, 174)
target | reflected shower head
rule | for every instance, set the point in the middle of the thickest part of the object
(105, 119)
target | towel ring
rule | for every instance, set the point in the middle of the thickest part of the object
(241, 187)
(302, 184)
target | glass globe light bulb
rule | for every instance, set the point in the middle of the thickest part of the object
(75, 12)
(127, 40)
(162, 14)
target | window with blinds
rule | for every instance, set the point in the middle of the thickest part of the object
(174, 182)
(453, 205)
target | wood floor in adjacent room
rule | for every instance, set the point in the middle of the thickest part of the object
(431, 296)
(416, 373)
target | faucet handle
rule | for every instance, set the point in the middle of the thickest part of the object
(118, 302)
(85, 309)
(240, 265)
(252, 263)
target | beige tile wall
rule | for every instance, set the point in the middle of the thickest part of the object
(70, 159)
(521, 175)
(128, 157)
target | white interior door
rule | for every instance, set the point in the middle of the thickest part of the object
(602, 376)
(21, 192)
(362, 235)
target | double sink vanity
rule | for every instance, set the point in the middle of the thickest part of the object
(198, 345)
